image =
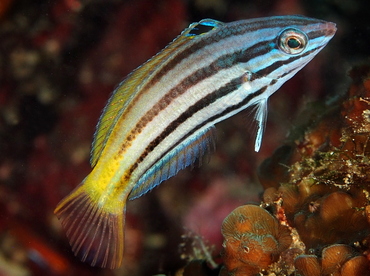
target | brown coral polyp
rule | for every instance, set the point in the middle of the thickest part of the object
(253, 239)
(334, 256)
(324, 193)
(307, 265)
(335, 217)
(336, 260)
(358, 265)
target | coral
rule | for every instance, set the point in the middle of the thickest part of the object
(199, 249)
(199, 268)
(337, 259)
(321, 195)
(323, 190)
(60, 60)
(253, 239)
(307, 265)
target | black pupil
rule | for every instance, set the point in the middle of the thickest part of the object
(293, 43)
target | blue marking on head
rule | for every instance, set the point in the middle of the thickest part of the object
(202, 27)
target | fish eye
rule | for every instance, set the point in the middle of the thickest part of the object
(292, 41)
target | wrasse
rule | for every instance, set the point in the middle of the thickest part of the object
(161, 118)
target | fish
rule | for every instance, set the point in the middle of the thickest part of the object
(160, 119)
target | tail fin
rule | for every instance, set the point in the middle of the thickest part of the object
(96, 235)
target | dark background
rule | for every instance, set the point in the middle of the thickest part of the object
(59, 62)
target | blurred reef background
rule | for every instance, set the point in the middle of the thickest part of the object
(308, 187)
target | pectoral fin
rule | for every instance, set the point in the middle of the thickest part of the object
(261, 117)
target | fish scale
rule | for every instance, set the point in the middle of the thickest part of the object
(161, 118)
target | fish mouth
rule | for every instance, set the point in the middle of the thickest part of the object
(330, 29)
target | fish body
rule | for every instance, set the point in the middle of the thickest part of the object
(161, 118)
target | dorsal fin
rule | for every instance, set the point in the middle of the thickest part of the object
(132, 85)
(123, 95)
(202, 27)
(182, 156)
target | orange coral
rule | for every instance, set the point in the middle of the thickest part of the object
(322, 195)
(324, 191)
(254, 239)
(337, 259)
(307, 265)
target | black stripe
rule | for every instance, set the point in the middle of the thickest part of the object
(229, 109)
(258, 49)
(204, 41)
(224, 62)
(210, 120)
(203, 103)
(269, 69)
(201, 42)
(315, 34)
(209, 99)
(212, 97)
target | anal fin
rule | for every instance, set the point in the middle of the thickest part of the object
(180, 157)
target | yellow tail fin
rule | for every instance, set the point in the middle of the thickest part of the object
(96, 235)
